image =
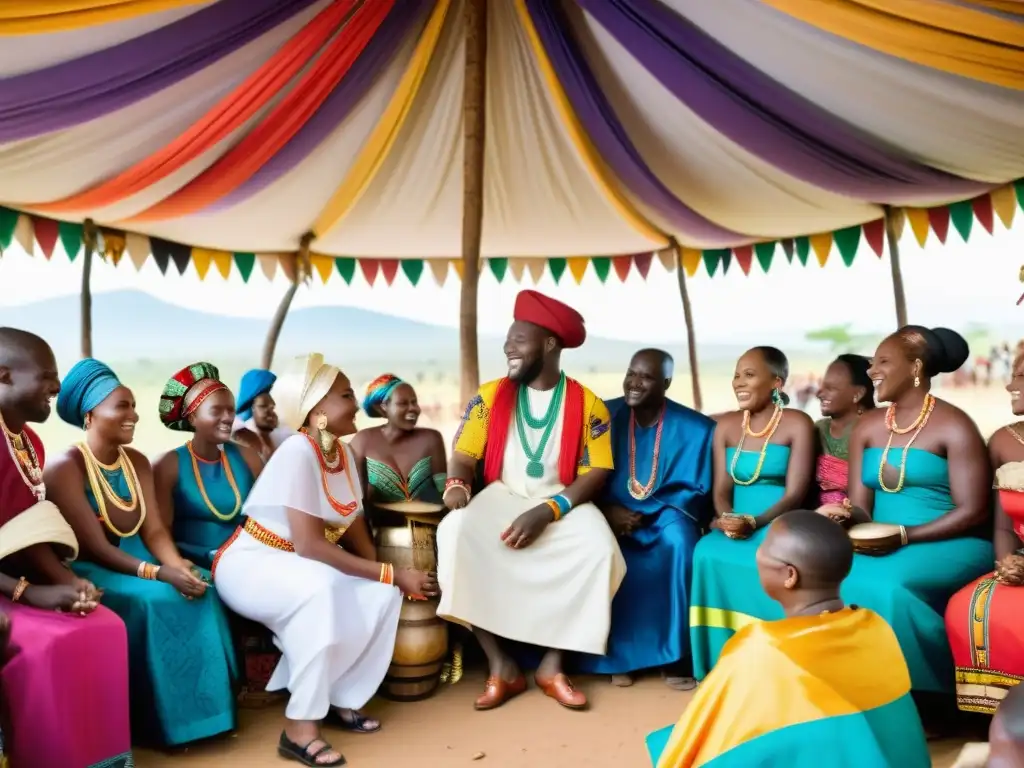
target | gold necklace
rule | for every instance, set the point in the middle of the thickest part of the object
(768, 433)
(231, 482)
(103, 491)
(922, 420)
(23, 453)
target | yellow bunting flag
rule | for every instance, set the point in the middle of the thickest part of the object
(822, 245)
(322, 265)
(918, 218)
(138, 249)
(439, 269)
(202, 258)
(268, 264)
(1004, 203)
(691, 261)
(578, 267)
(517, 266)
(457, 266)
(379, 143)
(536, 268)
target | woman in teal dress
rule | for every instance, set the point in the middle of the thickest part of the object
(763, 467)
(181, 663)
(920, 467)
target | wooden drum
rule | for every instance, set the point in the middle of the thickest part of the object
(875, 538)
(421, 647)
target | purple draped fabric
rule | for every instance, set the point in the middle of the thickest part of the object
(88, 87)
(606, 131)
(763, 116)
(338, 105)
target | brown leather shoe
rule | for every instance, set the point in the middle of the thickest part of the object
(497, 691)
(560, 689)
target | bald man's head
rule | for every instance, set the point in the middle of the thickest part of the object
(28, 377)
(804, 551)
(648, 378)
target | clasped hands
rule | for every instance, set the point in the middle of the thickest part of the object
(184, 577)
(78, 597)
(735, 526)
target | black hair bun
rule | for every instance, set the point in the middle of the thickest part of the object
(951, 350)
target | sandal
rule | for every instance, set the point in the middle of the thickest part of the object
(356, 723)
(289, 750)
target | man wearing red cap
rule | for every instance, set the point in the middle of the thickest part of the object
(529, 557)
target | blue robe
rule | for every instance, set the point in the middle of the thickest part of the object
(650, 612)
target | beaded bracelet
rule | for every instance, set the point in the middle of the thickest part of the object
(556, 511)
(387, 574)
(19, 589)
(147, 571)
(456, 482)
(562, 505)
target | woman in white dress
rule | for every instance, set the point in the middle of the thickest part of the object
(333, 609)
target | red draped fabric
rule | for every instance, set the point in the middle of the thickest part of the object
(832, 476)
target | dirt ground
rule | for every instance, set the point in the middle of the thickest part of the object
(529, 732)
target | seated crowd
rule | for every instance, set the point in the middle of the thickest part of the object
(616, 537)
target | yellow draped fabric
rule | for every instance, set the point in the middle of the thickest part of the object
(964, 41)
(815, 666)
(35, 17)
(379, 143)
(596, 447)
(581, 141)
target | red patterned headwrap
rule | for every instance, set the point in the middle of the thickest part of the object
(185, 391)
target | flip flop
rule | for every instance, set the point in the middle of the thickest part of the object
(357, 723)
(289, 750)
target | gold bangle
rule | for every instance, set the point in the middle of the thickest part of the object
(752, 520)
(555, 509)
(903, 536)
(19, 589)
(140, 572)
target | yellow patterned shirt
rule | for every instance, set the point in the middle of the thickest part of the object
(596, 442)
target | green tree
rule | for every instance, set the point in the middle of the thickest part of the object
(840, 339)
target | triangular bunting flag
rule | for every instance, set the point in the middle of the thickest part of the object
(691, 261)
(938, 218)
(322, 265)
(439, 269)
(765, 252)
(667, 257)
(803, 249)
(24, 233)
(346, 267)
(222, 261)
(288, 263)
(918, 218)
(458, 265)
(1018, 187)
(8, 221)
(161, 254)
(369, 268)
(498, 267)
(114, 244)
(413, 270)
(244, 262)
(602, 266)
(899, 222)
(557, 266)
(643, 263)
(622, 265)
(726, 261)
(46, 235)
(578, 268)
(962, 216)
(70, 233)
(822, 245)
(389, 268)
(788, 247)
(847, 241)
(536, 267)
(201, 260)
(982, 208)
(517, 266)
(138, 249)
(1004, 203)
(874, 233)
(712, 259)
(744, 255)
(269, 264)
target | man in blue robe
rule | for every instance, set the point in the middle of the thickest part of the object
(657, 500)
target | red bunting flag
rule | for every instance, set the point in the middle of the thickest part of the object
(874, 233)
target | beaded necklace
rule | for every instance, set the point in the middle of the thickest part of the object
(226, 465)
(637, 491)
(890, 422)
(103, 491)
(767, 433)
(342, 509)
(534, 463)
(25, 459)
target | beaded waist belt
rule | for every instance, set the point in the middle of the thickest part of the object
(264, 536)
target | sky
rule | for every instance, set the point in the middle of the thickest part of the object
(953, 285)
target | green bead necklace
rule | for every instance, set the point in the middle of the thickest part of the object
(534, 463)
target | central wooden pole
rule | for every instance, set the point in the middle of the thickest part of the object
(894, 265)
(474, 127)
(691, 333)
(277, 323)
(89, 243)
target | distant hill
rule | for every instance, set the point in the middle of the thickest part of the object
(131, 326)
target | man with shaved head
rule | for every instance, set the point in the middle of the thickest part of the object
(826, 685)
(656, 501)
(60, 671)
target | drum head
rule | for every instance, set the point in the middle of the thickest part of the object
(869, 532)
(413, 507)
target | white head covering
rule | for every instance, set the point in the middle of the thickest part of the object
(41, 523)
(302, 385)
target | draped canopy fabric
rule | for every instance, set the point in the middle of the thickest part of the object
(613, 126)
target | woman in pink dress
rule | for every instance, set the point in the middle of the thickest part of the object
(846, 392)
(64, 676)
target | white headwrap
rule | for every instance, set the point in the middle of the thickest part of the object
(41, 523)
(303, 384)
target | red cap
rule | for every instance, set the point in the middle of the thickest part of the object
(551, 315)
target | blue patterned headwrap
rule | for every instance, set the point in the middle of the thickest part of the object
(378, 391)
(86, 385)
(254, 383)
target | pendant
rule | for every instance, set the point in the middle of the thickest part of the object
(636, 490)
(534, 469)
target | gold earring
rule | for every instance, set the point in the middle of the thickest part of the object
(917, 381)
(87, 423)
(327, 440)
(321, 421)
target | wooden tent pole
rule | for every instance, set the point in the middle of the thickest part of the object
(894, 265)
(300, 275)
(474, 120)
(90, 240)
(691, 333)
